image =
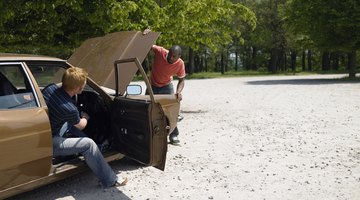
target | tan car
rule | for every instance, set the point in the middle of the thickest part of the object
(134, 124)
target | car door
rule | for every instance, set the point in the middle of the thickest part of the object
(139, 126)
(25, 134)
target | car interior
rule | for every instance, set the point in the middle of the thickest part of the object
(120, 124)
(89, 101)
(15, 92)
(6, 87)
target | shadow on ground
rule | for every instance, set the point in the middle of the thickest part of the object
(65, 188)
(301, 82)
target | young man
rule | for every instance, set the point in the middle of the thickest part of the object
(64, 116)
(168, 63)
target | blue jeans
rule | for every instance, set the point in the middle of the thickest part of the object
(93, 157)
(167, 89)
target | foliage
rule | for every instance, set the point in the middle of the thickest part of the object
(49, 27)
(261, 33)
(210, 23)
(330, 24)
(56, 27)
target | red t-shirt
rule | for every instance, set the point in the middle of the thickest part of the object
(162, 72)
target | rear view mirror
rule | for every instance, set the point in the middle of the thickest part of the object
(133, 90)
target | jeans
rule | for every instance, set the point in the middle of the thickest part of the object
(93, 157)
(68, 129)
(167, 89)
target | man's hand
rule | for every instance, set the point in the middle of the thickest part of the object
(85, 115)
(146, 31)
(179, 96)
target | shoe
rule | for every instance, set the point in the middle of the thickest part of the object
(180, 118)
(104, 146)
(121, 181)
(174, 140)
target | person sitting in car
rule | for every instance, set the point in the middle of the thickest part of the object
(63, 114)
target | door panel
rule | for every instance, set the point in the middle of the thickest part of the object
(139, 130)
(25, 146)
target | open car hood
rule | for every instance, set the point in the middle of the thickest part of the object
(97, 56)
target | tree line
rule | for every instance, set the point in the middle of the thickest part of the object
(216, 35)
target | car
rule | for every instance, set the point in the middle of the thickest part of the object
(130, 122)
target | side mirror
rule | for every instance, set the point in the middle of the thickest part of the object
(133, 90)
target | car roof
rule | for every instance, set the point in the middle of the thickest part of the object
(27, 57)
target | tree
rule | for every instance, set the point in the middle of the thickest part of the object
(199, 23)
(331, 24)
(56, 27)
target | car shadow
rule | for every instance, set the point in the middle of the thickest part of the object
(126, 164)
(83, 185)
(301, 82)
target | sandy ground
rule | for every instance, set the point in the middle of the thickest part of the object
(284, 137)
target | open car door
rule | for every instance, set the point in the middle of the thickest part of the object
(139, 125)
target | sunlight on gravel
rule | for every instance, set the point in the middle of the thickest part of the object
(283, 137)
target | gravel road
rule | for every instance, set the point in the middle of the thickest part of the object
(273, 137)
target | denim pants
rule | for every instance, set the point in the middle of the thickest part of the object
(93, 157)
(167, 89)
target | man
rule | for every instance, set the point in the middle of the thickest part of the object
(64, 116)
(168, 63)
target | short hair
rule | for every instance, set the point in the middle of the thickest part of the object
(74, 77)
(176, 49)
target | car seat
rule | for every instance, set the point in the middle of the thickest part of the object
(6, 87)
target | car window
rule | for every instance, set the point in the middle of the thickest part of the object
(46, 73)
(15, 89)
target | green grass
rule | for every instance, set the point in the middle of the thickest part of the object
(207, 75)
(211, 75)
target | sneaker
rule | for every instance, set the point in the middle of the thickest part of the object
(180, 118)
(174, 140)
(121, 181)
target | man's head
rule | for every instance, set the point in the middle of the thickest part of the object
(74, 79)
(174, 54)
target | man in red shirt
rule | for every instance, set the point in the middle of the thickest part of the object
(168, 63)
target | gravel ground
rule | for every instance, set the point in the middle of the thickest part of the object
(274, 137)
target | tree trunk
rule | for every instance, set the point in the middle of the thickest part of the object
(253, 58)
(303, 58)
(309, 60)
(222, 63)
(284, 62)
(206, 62)
(236, 59)
(274, 57)
(293, 61)
(244, 59)
(326, 61)
(352, 64)
(226, 56)
(190, 68)
(196, 63)
(334, 57)
(201, 67)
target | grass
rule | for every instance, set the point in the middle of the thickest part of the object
(207, 75)
(211, 75)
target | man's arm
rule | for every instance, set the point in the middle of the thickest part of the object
(83, 121)
(179, 88)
